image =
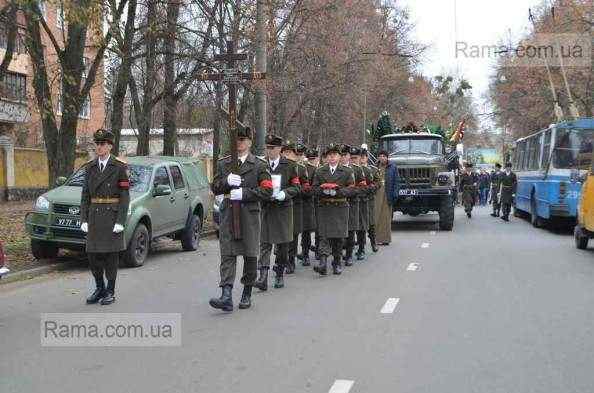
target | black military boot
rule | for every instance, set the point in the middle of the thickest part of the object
(262, 281)
(374, 247)
(225, 302)
(348, 258)
(279, 281)
(246, 297)
(337, 265)
(505, 218)
(305, 260)
(469, 214)
(361, 252)
(321, 267)
(109, 296)
(493, 214)
(99, 291)
(290, 268)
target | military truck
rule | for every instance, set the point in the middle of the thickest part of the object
(427, 182)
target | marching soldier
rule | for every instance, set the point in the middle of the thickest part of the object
(104, 209)
(309, 203)
(333, 184)
(277, 214)
(363, 189)
(468, 183)
(509, 183)
(353, 199)
(250, 186)
(495, 186)
(374, 181)
(289, 151)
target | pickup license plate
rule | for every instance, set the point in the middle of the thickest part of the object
(68, 222)
(407, 192)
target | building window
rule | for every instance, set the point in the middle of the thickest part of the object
(19, 46)
(15, 86)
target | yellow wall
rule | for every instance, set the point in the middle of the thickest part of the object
(2, 170)
(30, 167)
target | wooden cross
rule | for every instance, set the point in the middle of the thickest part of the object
(232, 76)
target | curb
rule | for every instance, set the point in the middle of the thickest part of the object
(38, 271)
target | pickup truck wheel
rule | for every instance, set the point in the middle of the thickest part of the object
(43, 250)
(138, 247)
(446, 214)
(190, 236)
(581, 241)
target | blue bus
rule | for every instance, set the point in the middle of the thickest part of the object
(550, 166)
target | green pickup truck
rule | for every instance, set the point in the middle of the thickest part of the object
(169, 196)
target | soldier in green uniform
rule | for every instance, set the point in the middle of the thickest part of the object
(103, 212)
(495, 186)
(309, 210)
(289, 151)
(374, 184)
(468, 184)
(277, 214)
(345, 160)
(363, 189)
(251, 185)
(333, 184)
(509, 183)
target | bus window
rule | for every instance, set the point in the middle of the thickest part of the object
(546, 149)
(573, 148)
(521, 154)
(536, 143)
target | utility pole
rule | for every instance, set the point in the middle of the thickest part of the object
(260, 93)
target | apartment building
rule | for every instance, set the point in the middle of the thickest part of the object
(19, 116)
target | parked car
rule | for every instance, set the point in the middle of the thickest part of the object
(3, 262)
(169, 196)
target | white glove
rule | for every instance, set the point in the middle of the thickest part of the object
(237, 194)
(84, 227)
(332, 192)
(280, 196)
(117, 228)
(328, 192)
(234, 180)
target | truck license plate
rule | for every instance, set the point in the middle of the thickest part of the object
(68, 222)
(407, 192)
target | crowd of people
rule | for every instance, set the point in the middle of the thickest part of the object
(297, 204)
(497, 187)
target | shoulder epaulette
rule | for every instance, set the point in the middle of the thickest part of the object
(121, 160)
(223, 158)
(262, 159)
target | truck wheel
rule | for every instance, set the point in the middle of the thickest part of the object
(581, 241)
(138, 247)
(43, 250)
(190, 236)
(446, 214)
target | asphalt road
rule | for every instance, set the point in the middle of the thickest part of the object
(492, 307)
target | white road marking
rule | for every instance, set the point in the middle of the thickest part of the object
(425, 245)
(341, 386)
(413, 267)
(432, 233)
(390, 305)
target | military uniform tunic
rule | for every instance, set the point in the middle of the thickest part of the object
(298, 200)
(333, 211)
(364, 190)
(468, 183)
(374, 186)
(104, 202)
(508, 187)
(309, 215)
(257, 186)
(354, 199)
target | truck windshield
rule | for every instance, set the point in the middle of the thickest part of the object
(573, 148)
(140, 177)
(413, 146)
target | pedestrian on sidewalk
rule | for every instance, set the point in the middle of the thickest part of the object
(103, 212)
(251, 185)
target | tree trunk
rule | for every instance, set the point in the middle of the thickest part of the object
(123, 77)
(169, 96)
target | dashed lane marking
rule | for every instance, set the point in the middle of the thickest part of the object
(413, 267)
(390, 305)
(341, 386)
(432, 233)
(425, 245)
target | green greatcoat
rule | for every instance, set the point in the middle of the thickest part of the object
(375, 185)
(277, 216)
(112, 183)
(354, 199)
(333, 212)
(383, 211)
(256, 187)
(298, 200)
(309, 209)
(509, 184)
(363, 199)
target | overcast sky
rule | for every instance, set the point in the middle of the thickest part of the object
(479, 22)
